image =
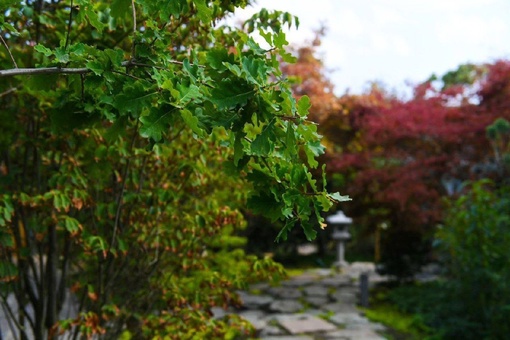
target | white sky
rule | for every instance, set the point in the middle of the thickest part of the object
(398, 42)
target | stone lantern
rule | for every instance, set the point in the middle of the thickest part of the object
(341, 234)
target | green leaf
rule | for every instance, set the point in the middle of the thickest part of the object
(229, 93)
(316, 147)
(134, 98)
(191, 70)
(192, 122)
(71, 224)
(44, 50)
(254, 47)
(265, 204)
(255, 70)
(95, 66)
(309, 231)
(61, 55)
(204, 12)
(290, 139)
(155, 125)
(120, 9)
(238, 147)
(8, 27)
(87, 10)
(216, 58)
(188, 94)
(289, 224)
(263, 144)
(234, 68)
(268, 36)
(298, 175)
(303, 106)
(279, 40)
(116, 56)
(77, 49)
(288, 57)
(339, 198)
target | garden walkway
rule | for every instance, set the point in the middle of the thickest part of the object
(319, 304)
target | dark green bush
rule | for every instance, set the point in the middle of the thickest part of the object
(475, 243)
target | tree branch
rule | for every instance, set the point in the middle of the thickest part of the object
(8, 51)
(76, 70)
(42, 70)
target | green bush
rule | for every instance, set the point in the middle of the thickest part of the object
(475, 243)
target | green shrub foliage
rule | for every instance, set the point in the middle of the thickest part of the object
(131, 133)
(475, 240)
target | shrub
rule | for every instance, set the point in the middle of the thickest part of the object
(474, 242)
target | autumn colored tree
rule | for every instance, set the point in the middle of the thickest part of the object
(131, 133)
(400, 158)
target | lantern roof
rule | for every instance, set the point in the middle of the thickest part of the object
(339, 218)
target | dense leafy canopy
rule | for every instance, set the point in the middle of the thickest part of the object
(131, 134)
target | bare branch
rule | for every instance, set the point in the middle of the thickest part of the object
(127, 75)
(8, 51)
(42, 70)
(70, 70)
(49, 70)
(5, 93)
(133, 47)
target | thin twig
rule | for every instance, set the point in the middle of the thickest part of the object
(133, 47)
(127, 75)
(5, 93)
(122, 190)
(134, 63)
(69, 26)
(9, 51)
(82, 81)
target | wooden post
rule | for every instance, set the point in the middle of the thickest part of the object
(363, 289)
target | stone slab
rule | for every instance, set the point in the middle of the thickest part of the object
(339, 308)
(351, 319)
(298, 282)
(218, 312)
(337, 281)
(345, 297)
(285, 292)
(286, 306)
(316, 301)
(256, 318)
(287, 337)
(305, 323)
(316, 290)
(271, 330)
(350, 334)
(255, 301)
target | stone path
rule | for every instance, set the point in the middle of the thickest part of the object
(320, 304)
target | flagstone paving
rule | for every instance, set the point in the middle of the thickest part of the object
(319, 304)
